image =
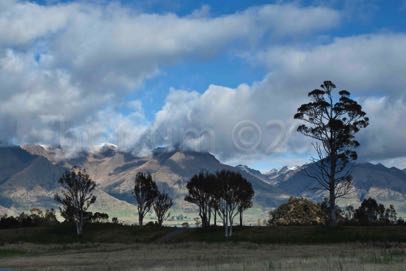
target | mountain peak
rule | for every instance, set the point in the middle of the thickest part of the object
(248, 169)
(106, 149)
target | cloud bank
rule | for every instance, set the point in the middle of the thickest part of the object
(63, 65)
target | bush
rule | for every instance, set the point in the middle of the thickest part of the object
(36, 218)
(297, 211)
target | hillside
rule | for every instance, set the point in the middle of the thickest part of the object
(388, 185)
(29, 177)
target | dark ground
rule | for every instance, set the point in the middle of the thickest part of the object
(113, 233)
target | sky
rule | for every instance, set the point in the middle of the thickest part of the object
(218, 76)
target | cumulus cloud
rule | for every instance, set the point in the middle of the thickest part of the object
(384, 138)
(21, 23)
(66, 68)
(372, 67)
(63, 65)
(248, 122)
(366, 63)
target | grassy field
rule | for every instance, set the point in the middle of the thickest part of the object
(202, 257)
(116, 247)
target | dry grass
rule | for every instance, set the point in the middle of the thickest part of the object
(203, 257)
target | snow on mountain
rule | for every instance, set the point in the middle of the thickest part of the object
(253, 172)
(30, 174)
(29, 177)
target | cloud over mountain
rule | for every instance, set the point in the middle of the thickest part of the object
(371, 67)
(68, 72)
(64, 64)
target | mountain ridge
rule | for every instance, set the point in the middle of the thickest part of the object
(29, 174)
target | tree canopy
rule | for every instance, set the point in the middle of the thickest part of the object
(76, 196)
(332, 120)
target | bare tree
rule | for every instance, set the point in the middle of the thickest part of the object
(161, 206)
(145, 192)
(76, 196)
(334, 125)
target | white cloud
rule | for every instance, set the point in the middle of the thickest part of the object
(372, 67)
(21, 23)
(248, 122)
(365, 63)
(62, 65)
(384, 138)
(65, 68)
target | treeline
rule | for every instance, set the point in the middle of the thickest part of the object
(301, 211)
(37, 217)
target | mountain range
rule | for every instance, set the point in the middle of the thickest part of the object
(29, 175)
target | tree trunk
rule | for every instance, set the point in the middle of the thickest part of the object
(215, 218)
(78, 231)
(204, 220)
(240, 218)
(79, 224)
(230, 229)
(140, 219)
(332, 210)
(332, 217)
(209, 218)
(225, 222)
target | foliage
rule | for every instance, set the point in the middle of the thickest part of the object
(36, 218)
(99, 217)
(297, 211)
(201, 191)
(161, 206)
(334, 125)
(76, 196)
(370, 213)
(235, 195)
(145, 193)
(300, 211)
(225, 193)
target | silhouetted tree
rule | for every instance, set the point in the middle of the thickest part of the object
(66, 212)
(161, 206)
(246, 194)
(37, 217)
(391, 215)
(214, 205)
(76, 195)
(225, 193)
(99, 217)
(231, 189)
(348, 213)
(201, 192)
(333, 124)
(371, 212)
(145, 192)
